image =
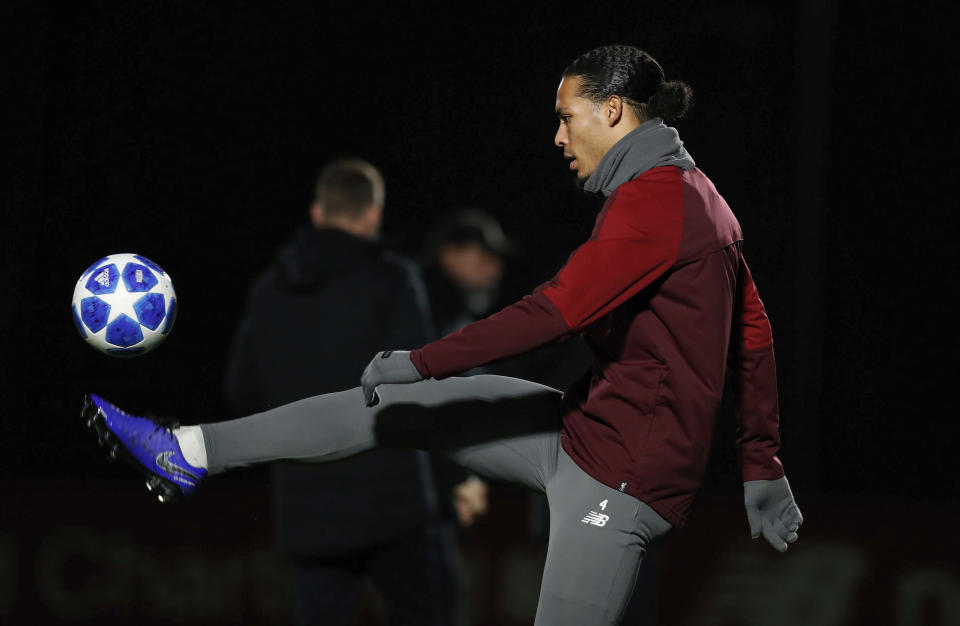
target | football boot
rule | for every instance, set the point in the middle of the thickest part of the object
(146, 444)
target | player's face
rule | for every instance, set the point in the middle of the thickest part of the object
(581, 133)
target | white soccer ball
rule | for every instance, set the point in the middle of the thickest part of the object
(124, 305)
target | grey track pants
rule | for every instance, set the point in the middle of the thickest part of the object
(499, 427)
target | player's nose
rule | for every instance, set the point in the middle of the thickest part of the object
(560, 139)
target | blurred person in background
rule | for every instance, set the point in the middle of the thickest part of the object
(464, 261)
(467, 268)
(331, 297)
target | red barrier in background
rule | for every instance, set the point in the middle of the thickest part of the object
(106, 552)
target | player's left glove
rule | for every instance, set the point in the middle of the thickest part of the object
(389, 367)
(772, 511)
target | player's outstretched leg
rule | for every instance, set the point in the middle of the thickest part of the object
(463, 414)
(146, 444)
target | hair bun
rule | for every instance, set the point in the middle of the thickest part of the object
(671, 101)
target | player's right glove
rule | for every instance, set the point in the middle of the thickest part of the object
(772, 511)
(389, 367)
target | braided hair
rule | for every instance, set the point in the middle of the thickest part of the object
(635, 76)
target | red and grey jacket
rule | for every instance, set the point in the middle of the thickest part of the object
(663, 295)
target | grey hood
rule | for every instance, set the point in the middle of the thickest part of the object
(647, 146)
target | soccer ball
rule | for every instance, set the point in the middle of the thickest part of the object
(124, 305)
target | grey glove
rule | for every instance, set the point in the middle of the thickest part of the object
(772, 511)
(390, 367)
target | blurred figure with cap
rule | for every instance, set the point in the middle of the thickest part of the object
(463, 265)
(465, 261)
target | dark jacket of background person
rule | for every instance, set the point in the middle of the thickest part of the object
(313, 318)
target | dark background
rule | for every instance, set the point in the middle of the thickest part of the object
(192, 134)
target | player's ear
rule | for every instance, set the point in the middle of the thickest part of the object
(316, 214)
(374, 215)
(613, 109)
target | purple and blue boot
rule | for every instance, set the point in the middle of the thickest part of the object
(146, 444)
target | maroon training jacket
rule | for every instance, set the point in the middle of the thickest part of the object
(664, 297)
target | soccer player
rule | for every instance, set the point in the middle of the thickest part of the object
(663, 295)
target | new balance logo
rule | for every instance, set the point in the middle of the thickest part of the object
(595, 519)
(103, 278)
(163, 462)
